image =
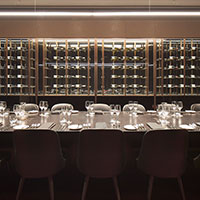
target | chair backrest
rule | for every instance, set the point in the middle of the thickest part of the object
(100, 153)
(163, 153)
(37, 153)
(31, 107)
(101, 107)
(195, 107)
(140, 107)
(58, 107)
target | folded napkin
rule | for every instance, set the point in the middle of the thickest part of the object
(100, 125)
(189, 127)
(47, 125)
(154, 125)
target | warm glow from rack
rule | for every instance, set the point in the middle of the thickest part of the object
(97, 14)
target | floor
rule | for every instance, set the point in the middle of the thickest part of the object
(68, 186)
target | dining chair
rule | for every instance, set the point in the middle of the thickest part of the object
(195, 107)
(31, 107)
(163, 154)
(100, 155)
(140, 107)
(58, 107)
(197, 161)
(101, 107)
(5, 157)
(37, 154)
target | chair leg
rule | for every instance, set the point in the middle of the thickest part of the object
(51, 188)
(180, 183)
(116, 187)
(20, 187)
(151, 179)
(85, 185)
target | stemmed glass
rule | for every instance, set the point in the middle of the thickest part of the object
(3, 106)
(174, 108)
(63, 115)
(180, 106)
(45, 106)
(112, 112)
(87, 105)
(130, 105)
(41, 105)
(69, 112)
(135, 107)
(117, 111)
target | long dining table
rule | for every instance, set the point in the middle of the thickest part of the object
(139, 125)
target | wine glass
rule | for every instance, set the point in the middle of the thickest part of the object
(16, 110)
(45, 106)
(117, 111)
(69, 112)
(174, 108)
(135, 107)
(112, 112)
(91, 109)
(130, 105)
(179, 106)
(3, 106)
(87, 104)
(41, 105)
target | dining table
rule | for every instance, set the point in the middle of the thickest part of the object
(133, 127)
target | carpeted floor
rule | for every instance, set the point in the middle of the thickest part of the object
(69, 182)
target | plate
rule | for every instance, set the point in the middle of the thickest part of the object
(75, 111)
(190, 111)
(151, 111)
(20, 127)
(75, 126)
(185, 126)
(129, 127)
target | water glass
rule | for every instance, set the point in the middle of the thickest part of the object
(3, 106)
(135, 107)
(12, 120)
(130, 105)
(91, 109)
(43, 106)
(69, 112)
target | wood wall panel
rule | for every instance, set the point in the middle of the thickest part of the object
(99, 27)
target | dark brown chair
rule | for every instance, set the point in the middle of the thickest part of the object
(100, 155)
(195, 107)
(37, 155)
(163, 154)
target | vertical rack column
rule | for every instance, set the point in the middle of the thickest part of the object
(95, 69)
(36, 70)
(103, 69)
(154, 72)
(88, 68)
(147, 67)
(44, 67)
(6, 56)
(184, 71)
(162, 67)
(125, 74)
(66, 68)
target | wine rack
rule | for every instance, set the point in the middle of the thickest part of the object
(3, 63)
(20, 66)
(104, 67)
(192, 67)
(124, 67)
(66, 67)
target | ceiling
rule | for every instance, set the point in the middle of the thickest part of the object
(97, 3)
